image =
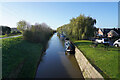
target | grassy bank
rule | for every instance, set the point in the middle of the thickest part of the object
(20, 58)
(1, 36)
(104, 60)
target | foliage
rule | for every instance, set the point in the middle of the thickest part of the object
(20, 58)
(16, 32)
(1, 36)
(11, 34)
(4, 30)
(106, 60)
(22, 25)
(38, 33)
(79, 28)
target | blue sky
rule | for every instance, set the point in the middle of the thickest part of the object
(56, 14)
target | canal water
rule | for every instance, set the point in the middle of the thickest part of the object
(56, 64)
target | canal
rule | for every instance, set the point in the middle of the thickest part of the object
(56, 64)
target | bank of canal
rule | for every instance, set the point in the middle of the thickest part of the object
(56, 64)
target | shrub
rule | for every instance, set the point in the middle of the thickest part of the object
(38, 33)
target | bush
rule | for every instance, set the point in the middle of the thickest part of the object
(18, 32)
(39, 33)
(15, 32)
(27, 35)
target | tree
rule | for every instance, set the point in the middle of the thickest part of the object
(81, 27)
(5, 30)
(22, 25)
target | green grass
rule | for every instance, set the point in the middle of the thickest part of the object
(20, 58)
(1, 36)
(105, 59)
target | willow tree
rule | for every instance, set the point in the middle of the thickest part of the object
(81, 27)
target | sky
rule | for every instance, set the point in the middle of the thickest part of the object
(56, 14)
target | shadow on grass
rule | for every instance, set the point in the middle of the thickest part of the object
(82, 43)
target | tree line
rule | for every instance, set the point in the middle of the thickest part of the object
(81, 27)
(35, 33)
(5, 30)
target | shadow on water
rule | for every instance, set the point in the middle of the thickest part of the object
(56, 64)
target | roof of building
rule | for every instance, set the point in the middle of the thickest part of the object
(113, 32)
(107, 30)
(14, 29)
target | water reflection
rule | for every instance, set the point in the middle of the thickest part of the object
(56, 64)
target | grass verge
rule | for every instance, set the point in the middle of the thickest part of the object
(2, 36)
(104, 60)
(20, 58)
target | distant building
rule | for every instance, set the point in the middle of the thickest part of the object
(112, 33)
(103, 32)
(117, 30)
(108, 32)
(14, 29)
(100, 32)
